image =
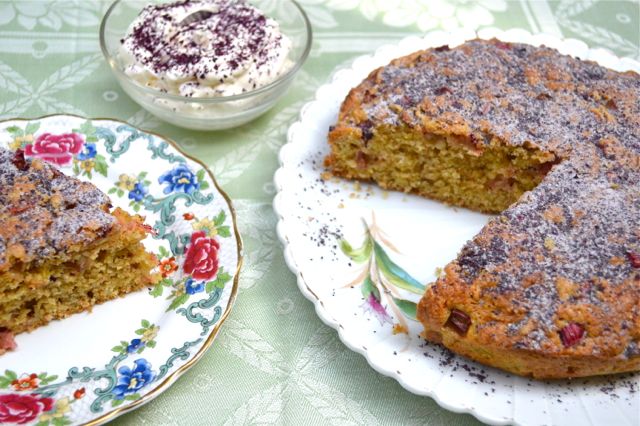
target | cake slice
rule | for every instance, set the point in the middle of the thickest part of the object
(61, 249)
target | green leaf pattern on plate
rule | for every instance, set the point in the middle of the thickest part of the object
(381, 278)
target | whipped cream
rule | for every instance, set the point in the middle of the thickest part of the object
(204, 48)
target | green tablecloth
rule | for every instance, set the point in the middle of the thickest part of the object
(50, 62)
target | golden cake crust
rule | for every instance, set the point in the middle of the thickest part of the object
(551, 287)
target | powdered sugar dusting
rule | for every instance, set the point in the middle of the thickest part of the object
(44, 212)
(517, 92)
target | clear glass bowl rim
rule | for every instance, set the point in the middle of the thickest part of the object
(217, 100)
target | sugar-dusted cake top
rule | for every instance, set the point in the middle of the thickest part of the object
(44, 213)
(523, 94)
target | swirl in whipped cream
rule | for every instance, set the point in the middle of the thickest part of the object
(204, 48)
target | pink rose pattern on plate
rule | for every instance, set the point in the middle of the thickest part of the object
(22, 409)
(56, 149)
(201, 257)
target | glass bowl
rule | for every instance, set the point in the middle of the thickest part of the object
(207, 113)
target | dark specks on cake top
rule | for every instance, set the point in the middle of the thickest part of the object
(44, 212)
(563, 246)
(516, 92)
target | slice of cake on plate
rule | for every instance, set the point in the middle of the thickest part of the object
(61, 249)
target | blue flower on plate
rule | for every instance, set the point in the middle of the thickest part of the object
(180, 179)
(138, 192)
(191, 286)
(131, 381)
(135, 345)
(88, 152)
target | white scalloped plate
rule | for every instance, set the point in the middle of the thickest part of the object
(419, 235)
(125, 352)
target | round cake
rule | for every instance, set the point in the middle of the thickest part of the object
(550, 288)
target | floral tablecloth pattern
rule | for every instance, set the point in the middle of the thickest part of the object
(274, 360)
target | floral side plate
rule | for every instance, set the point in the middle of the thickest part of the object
(363, 256)
(125, 352)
